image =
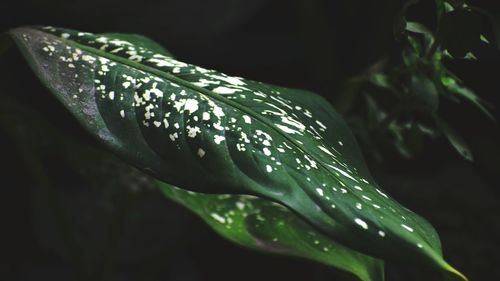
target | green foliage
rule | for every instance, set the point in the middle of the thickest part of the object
(408, 91)
(267, 226)
(208, 132)
(454, 138)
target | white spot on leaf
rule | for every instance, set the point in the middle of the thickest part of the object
(361, 223)
(201, 152)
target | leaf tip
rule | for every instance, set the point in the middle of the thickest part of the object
(453, 274)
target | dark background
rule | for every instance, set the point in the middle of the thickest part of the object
(311, 44)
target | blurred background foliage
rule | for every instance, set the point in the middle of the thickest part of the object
(410, 77)
(402, 94)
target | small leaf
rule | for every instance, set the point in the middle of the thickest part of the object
(266, 226)
(484, 39)
(375, 115)
(380, 80)
(398, 132)
(424, 93)
(470, 56)
(419, 28)
(428, 131)
(448, 7)
(400, 21)
(410, 58)
(454, 138)
(415, 44)
(455, 88)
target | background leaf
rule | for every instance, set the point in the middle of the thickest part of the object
(424, 93)
(419, 28)
(266, 226)
(454, 87)
(454, 138)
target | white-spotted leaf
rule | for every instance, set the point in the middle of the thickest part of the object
(205, 131)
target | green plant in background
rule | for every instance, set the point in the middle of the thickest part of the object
(402, 96)
(287, 171)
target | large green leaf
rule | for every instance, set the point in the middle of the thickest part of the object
(205, 131)
(267, 226)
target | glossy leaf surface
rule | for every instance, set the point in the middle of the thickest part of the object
(205, 131)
